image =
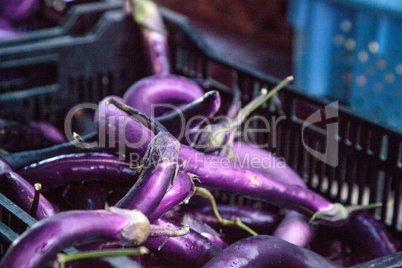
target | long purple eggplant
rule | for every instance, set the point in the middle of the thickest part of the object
(154, 35)
(220, 173)
(75, 168)
(39, 244)
(191, 250)
(156, 95)
(199, 226)
(16, 137)
(260, 221)
(49, 131)
(267, 251)
(181, 190)
(160, 168)
(21, 192)
(294, 228)
(368, 238)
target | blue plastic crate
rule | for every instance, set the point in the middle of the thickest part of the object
(351, 51)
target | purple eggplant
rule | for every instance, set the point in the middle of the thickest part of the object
(39, 244)
(295, 227)
(368, 238)
(251, 157)
(159, 169)
(220, 173)
(154, 36)
(75, 168)
(181, 190)
(16, 137)
(199, 226)
(258, 220)
(48, 131)
(22, 193)
(267, 251)
(17, 9)
(7, 31)
(190, 250)
(156, 95)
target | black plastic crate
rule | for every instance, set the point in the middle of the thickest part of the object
(77, 21)
(370, 155)
(44, 78)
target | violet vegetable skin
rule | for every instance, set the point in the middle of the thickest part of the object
(160, 168)
(22, 193)
(39, 244)
(155, 95)
(267, 251)
(294, 228)
(220, 173)
(75, 168)
(181, 190)
(190, 250)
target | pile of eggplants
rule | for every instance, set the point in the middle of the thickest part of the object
(132, 177)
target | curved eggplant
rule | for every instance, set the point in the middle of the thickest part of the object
(181, 190)
(22, 193)
(267, 251)
(155, 95)
(16, 137)
(39, 244)
(294, 228)
(160, 168)
(190, 250)
(66, 169)
(220, 173)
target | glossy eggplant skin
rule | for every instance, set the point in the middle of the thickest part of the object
(181, 190)
(173, 90)
(367, 237)
(246, 155)
(191, 250)
(199, 226)
(75, 168)
(21, 192)
(295, 227)
(219, 173)
(258, 220)
(160, 168)
(267, 251)
(39, 244)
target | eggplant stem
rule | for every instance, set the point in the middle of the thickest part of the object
(63, 258)
(153, 125)
(35, 203)
(158, 231)
(79, 139)
(237, 222)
